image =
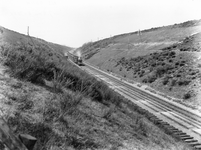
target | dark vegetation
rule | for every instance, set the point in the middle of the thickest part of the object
(171, 68)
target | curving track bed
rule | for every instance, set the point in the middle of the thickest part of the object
(185, 122)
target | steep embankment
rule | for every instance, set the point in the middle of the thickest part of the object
(14, 38)
(44, 95)
(165, 58)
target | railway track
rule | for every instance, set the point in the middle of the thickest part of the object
(181, 120)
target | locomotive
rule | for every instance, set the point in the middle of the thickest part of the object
(76, 59)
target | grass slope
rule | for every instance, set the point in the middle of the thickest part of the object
(44, 95)
(14, 38)
(165, 58)
(131, 44)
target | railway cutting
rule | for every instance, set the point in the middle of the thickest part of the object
(183, 121)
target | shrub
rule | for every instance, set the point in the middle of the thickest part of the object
(182, 64)
(141, 75)
(199, 65)
(187, 95)
(172, 53)
(163, 64)
(160, 71)
(177, 63)
(149, 79)
(107, 114)
(192, 73)
(165, 80)
(145, 80)
(31, 67)
(173, 82)
(129, 68)
(153, 64)
(183, 82)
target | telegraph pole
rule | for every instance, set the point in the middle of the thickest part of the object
(128, 44)
(139, 33)
(128, 41)
(28, 30)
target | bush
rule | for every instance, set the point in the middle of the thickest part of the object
(29, 66)
(173, 82)
(199, 65)
(160, 71)
(177, 63)
(182, 64)
(170, 60)
(166, 80)
(183, 82)
(172, 53)
(187, 95)
(149, 79)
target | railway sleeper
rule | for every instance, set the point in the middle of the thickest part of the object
(159, 120)
(183, 136)
(170, 129)
(194, 144)
(197, 147)
(153, 117)
(191, 141)
(179, 133)
(167, 126)
(186, 138)
(173, 129)
(165, 123)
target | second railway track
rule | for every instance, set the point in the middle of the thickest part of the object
(184, 121)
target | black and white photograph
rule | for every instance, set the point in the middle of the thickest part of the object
(100, 74)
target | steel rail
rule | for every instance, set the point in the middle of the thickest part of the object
(176, 114)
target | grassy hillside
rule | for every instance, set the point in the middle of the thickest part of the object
(165, 58)
(46, 96)
(14, 38)
(132, 44)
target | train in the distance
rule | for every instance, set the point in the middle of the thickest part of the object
(76, 59)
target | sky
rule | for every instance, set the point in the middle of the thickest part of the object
(75, 22)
